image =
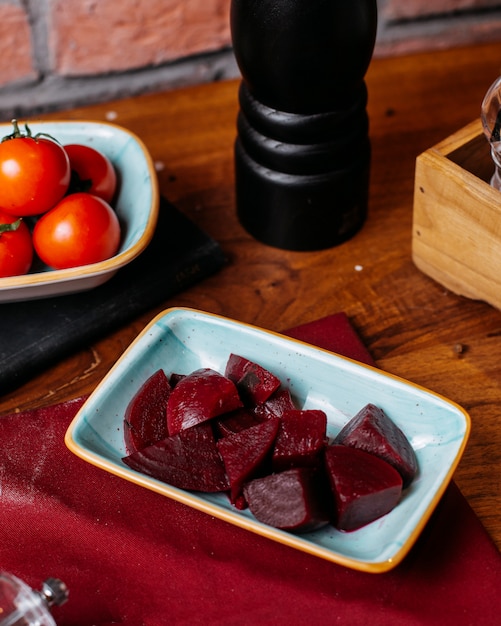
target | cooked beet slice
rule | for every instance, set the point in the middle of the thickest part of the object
(277, 404)
(236, 421)
(174, 378)
(144, 421)
(373, 431)
(363, 485)
(301, 439)
(254, 382)
(235, 367)
(295, 500)
(189, 460)
(245, 453)
(199, 397)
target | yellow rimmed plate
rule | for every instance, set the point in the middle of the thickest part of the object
(182, 340)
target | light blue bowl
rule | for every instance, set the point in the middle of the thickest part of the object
(182, 340)
(136, 205)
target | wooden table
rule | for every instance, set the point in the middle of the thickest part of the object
(412, 325)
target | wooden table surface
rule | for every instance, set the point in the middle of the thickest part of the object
(411, 324)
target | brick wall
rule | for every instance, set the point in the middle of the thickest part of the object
(413, 25)
(60, 53)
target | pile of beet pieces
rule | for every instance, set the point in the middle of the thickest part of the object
(241, 433)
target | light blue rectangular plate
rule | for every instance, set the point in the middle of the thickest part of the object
(182, 340)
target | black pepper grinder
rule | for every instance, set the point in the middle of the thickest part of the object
(302, 153)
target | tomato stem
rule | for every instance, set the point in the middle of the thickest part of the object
(7, 228)
(18, 134)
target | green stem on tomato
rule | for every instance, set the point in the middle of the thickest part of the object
(18, 134)
(8, 228)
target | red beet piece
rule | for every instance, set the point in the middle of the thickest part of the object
(174, 378)
(254, 382)
(301, 439)
(236, 421)
(144, 421)
(277, 404)
(189, 460)
(294, 500)
(199, 397)
(364, 486)
(235, 367)
(373, 431)
(245, 454)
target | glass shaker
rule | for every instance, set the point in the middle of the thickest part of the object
(20, 605)
(491, 123)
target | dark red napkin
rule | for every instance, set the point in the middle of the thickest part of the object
(130, 556)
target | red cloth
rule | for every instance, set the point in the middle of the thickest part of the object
(130, 556)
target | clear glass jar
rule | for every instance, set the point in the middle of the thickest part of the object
(491, 122)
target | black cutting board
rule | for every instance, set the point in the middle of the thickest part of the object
(37, 333)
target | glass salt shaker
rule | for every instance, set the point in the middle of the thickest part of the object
(20, 605)
(491, 122)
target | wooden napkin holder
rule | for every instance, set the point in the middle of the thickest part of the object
(456, 235)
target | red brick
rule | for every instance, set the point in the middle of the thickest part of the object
(409, 9)
(16, 57)
(100, 36)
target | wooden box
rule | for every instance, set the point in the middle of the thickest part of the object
(456, 236)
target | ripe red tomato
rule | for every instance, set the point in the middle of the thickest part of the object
(94, 171)
(81, 229)
(34, 173)
(16, 249)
